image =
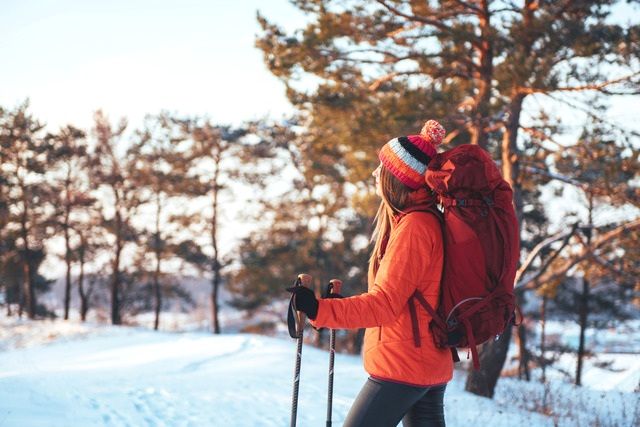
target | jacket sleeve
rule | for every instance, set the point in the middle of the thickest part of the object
(402, 269)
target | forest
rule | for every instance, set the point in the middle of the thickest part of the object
(130, 211)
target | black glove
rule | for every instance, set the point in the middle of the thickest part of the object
(305, 301)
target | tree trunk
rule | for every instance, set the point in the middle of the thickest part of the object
(28, 286)
(27, 279)
(156, 275)
(492, 357)
(543, 360)
(358, 339)
(482, 382)
(523, 359)
(584, 303)
(483, 98)
(84, 306)
(67, 258)
(216, 267)
(543, 338)
(67, 244)
(115, 289)
(20, 299)
(584, 300)
(4, 217)
(115, 279)
(214, 303)
(158, 294)
(494, 353)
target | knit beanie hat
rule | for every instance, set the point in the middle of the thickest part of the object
(407, 157)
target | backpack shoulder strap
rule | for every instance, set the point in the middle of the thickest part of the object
(431, 208)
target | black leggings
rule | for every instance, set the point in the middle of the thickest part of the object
(384, 404)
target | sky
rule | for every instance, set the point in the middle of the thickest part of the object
(137, 57)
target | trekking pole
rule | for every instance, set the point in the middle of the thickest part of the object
(332, 289)
(295, 322)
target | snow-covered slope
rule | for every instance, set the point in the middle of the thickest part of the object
(110, 376)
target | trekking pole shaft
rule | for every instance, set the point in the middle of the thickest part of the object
(296, 383)
(303, 279)
(332, 351)
(334, 288)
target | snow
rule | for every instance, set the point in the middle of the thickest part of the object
(56, 373)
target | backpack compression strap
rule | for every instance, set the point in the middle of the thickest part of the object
(416, 325)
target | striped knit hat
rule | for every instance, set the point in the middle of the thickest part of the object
(407, 157)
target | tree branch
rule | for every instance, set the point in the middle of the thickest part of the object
(588, 251)
(532, 255)
(558, 177)
(469, 6)
(541, 135)
(414, 18)
(396, 57)
(597, 87)
(394, 33)
(597, 118)
(607, 265)
(380, 81)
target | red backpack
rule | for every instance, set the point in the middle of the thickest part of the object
(481, 251)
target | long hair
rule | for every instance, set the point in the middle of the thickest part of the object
(395, 196)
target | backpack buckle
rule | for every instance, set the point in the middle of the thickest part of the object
(488, 200)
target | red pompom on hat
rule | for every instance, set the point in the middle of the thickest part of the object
(407, 157)
(433, 131)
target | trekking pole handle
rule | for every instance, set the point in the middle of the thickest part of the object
(302, 280)
(335, 286)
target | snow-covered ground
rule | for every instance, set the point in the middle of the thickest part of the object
(55, 373)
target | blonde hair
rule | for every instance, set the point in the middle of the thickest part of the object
(395, 196)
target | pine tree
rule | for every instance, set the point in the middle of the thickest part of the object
(68, 159)
(608, 170)
(214, 156)
(4, 217)
(91, 243)
(158, 171)
(472, 64)
(24, 152)
(311, 229)
(111, 166)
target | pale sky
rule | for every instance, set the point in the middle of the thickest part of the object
(133, 57)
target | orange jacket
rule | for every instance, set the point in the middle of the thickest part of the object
(412, 261)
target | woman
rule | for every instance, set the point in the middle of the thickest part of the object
(407, 376)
